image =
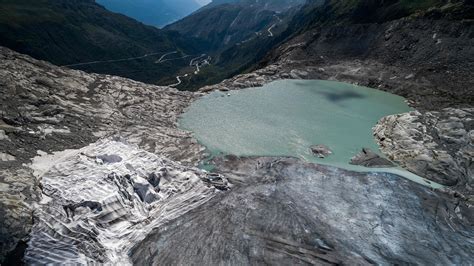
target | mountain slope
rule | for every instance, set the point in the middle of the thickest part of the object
(224, 23)
(152, 12)
(275, 5)
(67, 32)
(425, 39)
(238, 34)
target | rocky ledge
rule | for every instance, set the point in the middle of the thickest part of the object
(437, 145)
(370, 159)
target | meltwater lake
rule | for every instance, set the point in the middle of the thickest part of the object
(286, 117)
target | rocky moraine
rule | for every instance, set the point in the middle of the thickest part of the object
(94, 169)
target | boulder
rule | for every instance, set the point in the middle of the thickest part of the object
(368, 158)
(321, 151)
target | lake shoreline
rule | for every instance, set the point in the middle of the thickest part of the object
(216, 112)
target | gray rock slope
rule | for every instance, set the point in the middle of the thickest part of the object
(286, 212)
(44, 108)
(438, 145)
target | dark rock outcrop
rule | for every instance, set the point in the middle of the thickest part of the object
(322, 151)
(368, 158)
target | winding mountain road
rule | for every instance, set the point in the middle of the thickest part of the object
(178, 78)
(270, 33)
(197, 62)
(113, 60)
(165, 55)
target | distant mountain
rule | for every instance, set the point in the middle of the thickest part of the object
(215, 3)
(152, 12)
(237, 32)
(226, 22)
(274, 5)
(68, 32)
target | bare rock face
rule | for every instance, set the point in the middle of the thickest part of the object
(257, 78)
(321, 151)
(44, 109)
(436, 145)
(65, 108)
(18, 189)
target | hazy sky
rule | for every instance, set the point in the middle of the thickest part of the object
(203, 2)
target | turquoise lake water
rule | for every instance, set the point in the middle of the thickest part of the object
(286, 117)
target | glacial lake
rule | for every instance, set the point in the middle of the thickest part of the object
(286, 117)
